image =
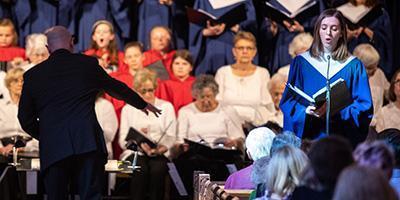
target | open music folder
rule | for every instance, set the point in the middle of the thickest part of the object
(289, 10)
(359, 16)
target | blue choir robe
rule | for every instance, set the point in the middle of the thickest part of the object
(39, 15)
(309, 75)
(151, 13)
(211, 53)
(382, 41)
(283, 38)
(88, 12)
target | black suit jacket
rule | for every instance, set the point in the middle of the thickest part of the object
(57, 105)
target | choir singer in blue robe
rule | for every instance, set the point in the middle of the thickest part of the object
(308, 72)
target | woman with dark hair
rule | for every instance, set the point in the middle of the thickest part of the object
(389, 115)
(309, 72)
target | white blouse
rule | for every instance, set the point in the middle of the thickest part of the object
(108, 121)
(378, 84)
(10, 126)
(160, 129)
(388, 117)
(249, 95)
(195, 125)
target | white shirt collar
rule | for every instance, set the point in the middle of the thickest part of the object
(322, 65)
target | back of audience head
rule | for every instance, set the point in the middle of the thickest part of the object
(394, 89)
(160, 39)
(391, 137)
(368, 56)
(375, 154)
(359, 182)
(8, 34)
(286, 138)
(58, 37)
(258, 142)
(300, 44)
(133, 55)
(35, 48)
(182, 64)
(328, 157)
(284, 169)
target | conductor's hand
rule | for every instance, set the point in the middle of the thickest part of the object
(152, 109)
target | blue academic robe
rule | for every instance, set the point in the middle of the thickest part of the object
(211, 53)
(88, 12)
(151, 13)
(309, 75)
(382, 41)
(281, 41)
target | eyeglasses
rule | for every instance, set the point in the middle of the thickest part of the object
(144, 91)
(241, 48)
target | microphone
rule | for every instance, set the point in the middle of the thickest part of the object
(328, 96)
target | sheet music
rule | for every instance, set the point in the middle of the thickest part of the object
(354, 13)
(293, 6)
(217, 4)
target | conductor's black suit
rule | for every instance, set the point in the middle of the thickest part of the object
(57, 108)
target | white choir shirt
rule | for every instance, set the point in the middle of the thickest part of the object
(378, 84)
(156, 126)
(388, 117)
(108, 121)
(10, 126)
(195, 125)
(249, 95)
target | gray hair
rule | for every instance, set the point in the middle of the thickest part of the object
(259, 142)
(204, 81)
(35, 43)
(300, 41)
(277, 79)
(367, 54)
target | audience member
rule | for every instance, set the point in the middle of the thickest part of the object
(244, 85)
(258, 145)
(35, 49)
(211, 46)
(389, 115)
(392, 138)
(104, 47)
(9, 124)
(377, 81)
(259, 173)
(300, 44)
(360, 182)
(162, 130)
(160, 50)
(375, 154)
(328, 157)
(283, 172)
(177, 89)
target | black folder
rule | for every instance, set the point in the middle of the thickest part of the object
(340, 96)
(363, 20)
(159, 68)
(279, 15)
(231, 18)
(211, 152)
(139, 138)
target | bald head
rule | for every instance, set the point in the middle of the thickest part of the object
(58, 37)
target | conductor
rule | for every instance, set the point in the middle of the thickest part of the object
(57, 108)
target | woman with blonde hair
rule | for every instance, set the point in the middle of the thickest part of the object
(283, 172)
